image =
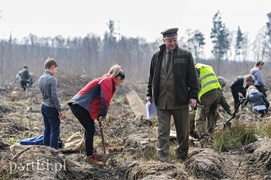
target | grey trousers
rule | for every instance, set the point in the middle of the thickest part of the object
(182, 125)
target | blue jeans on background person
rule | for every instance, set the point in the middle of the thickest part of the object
(51, 126)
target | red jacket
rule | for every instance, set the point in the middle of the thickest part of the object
(95, 97)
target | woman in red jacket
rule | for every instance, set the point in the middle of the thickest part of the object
(92, 102)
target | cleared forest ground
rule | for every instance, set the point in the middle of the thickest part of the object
(130, 143)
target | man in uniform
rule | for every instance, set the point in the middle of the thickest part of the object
(223, 101)
(172, 86)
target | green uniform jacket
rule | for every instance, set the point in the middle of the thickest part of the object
(185, 76)
(224, 103)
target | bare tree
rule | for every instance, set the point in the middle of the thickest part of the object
(259, 44)
(194, 42)
(268, 34)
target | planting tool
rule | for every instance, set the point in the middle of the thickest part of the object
(227, 124)
(103, 142)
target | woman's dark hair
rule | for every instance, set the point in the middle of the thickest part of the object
(121, 75)
(258, 63)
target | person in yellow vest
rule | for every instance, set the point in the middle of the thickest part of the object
(222, 102)
(208, 97)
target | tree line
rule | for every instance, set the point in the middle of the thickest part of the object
(94, 55)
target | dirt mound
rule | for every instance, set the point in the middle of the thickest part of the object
(259, 161)
(155, 170)
(5, 109)
(11, 128)
(4, 145)
(206, 164)
(40, 162)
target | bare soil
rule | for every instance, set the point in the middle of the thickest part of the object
(130, 143)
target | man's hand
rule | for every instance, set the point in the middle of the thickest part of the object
(60, 115)
(240, 95)
(192, 103)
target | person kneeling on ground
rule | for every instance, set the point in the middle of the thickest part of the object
(92, 102)
(239, 87)
(258, 101)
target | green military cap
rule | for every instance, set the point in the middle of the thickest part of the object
(170, 33)
(222, 81)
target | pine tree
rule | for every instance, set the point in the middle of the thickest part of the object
(195, 43)
(220, 39)
(239, 42)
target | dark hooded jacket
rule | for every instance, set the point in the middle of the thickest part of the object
(256, 98)
(24, 74)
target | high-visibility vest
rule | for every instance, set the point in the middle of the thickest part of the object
(207, 79)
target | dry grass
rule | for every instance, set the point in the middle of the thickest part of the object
(235, 137)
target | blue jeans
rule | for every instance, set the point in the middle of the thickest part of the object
(51, 126)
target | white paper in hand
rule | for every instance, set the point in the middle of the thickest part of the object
(151, 110)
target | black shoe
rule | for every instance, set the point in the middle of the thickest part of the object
(194, 134)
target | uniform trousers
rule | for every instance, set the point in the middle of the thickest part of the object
(206, 113)
(182, 125)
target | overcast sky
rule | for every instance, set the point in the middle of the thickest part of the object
(133, 18)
